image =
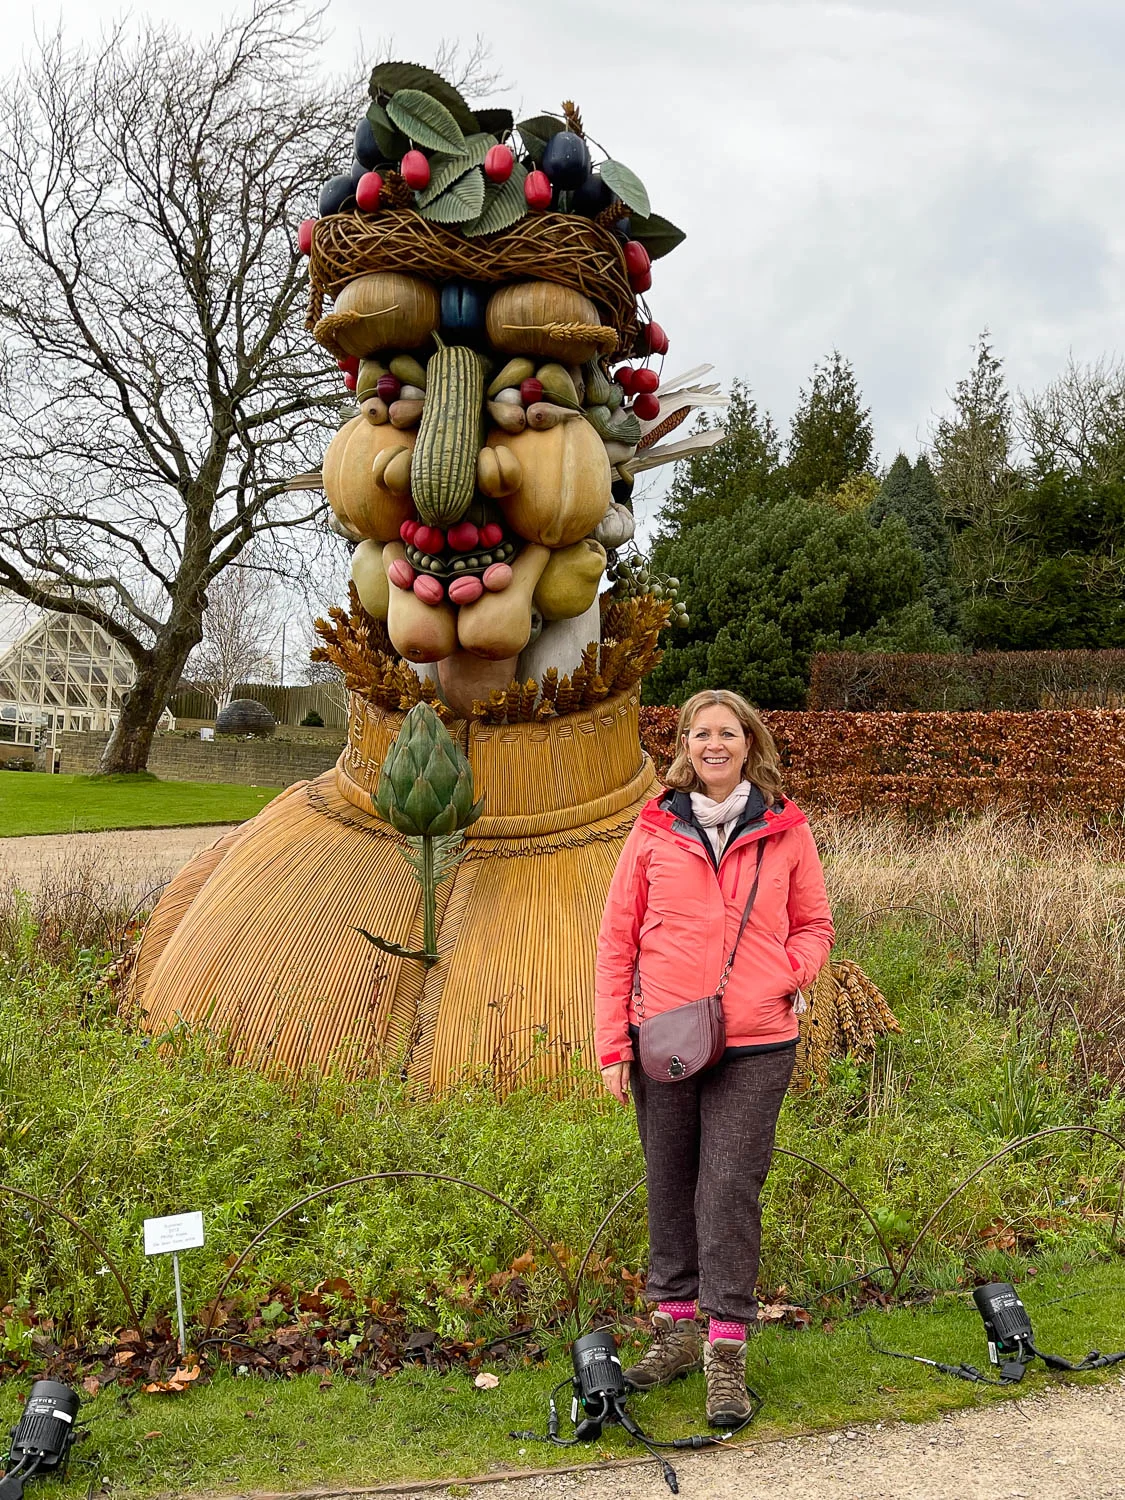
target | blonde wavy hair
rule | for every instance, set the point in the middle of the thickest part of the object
(762, 765)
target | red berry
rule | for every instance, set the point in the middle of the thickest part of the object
(415, 170)
(641, 281)
(367, 191)
(304, 235)
(409, 530)
(646, 407)
(653, 338)
(350, 380)
(531, 390)
(350, 366)
(401, 574)
(537, 190)
(645, 381)
(498, 163)
(387, 388)
(491, 535)
(429, 539)
(463, 537)
(624, 378)
(636, 258)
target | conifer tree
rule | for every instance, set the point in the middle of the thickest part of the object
(911, 493)
(830, 437)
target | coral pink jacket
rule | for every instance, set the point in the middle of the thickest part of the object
(674, 917)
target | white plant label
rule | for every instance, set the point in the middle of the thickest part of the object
(175, 1232)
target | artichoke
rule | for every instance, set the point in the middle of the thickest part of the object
(426, 783)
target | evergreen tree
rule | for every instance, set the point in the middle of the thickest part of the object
(745, 468)
(765, 587)
(911, 493)
(972, 447)
(830, 437)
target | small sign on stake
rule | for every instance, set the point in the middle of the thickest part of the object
(168, 1236)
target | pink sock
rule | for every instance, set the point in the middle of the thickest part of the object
(677, 1310)
(723, 1328)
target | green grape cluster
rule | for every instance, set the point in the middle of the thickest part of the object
(633, 575)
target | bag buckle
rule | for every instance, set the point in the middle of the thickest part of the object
(675, 1068)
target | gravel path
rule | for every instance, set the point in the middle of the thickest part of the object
(132, 860)
(1067, 1444)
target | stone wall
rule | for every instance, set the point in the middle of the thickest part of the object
(176, 757)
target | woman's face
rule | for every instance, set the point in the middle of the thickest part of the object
(716, 745)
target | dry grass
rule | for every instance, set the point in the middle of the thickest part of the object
(1044, 902)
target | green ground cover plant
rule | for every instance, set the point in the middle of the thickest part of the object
(31, 804)
(428, 1283)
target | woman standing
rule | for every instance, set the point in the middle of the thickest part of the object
(672, 917)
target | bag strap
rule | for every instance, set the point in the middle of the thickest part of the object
(753, 896)
(638, 1000)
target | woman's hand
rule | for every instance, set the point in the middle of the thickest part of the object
(616, 1080)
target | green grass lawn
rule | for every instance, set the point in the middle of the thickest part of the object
(251, 1432)
(31, 803)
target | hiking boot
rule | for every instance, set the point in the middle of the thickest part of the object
(724, 1368)
(676, 1349)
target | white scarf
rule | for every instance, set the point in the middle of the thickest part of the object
(718, 818)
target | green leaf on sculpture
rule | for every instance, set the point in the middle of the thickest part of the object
(389, 77)
(445, 170)
(426, 121)
(536, 132)
(627, 185)
(659, 236)
(392, 145)
(499, 121)
(461, 202)
(504, 204)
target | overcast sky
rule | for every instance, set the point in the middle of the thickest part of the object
(885, 178)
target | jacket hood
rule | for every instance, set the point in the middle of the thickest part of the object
(671, 812)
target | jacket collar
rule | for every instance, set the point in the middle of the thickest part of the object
(670, 814)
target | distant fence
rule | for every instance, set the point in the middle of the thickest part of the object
(289, 705)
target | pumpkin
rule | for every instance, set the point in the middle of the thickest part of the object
(370, 579)
(564, 482)
(498, 626)
(359, 500)
(569, 583)
(382, 310)
(532, 317)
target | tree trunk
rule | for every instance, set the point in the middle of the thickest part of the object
(130, 741)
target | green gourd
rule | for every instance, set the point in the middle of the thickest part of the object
(599, 388)
(515, 372)
(409, 370)
(557, 384)
(443, 468)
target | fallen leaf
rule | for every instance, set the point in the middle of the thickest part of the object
(486, 1381)
(149, 1435)
(90, 1385)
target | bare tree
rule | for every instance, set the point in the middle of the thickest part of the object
(238, 631)
(157, 386)
(1077, 423)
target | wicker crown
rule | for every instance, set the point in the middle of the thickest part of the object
(564, 248)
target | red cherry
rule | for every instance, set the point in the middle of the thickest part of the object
(415, 171)
(491, 535)
(653, 338)
(646, 407)
(304, 235)
(409, 530)
(624, 378)
(641, 281)
(387, 388)
(350, 380)
(429, 539)
(531, 390)
(645, 381)
(463, 537)
(367, 191)
(537, 190)
(498, 164)
(636, 258)
(350, 366)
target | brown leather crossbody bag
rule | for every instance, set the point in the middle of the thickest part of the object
(683, 1041)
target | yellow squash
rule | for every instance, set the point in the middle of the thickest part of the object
(564, 486)
(359, 499)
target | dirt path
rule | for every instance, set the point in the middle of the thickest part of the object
(1068, 1444)
(132, 860)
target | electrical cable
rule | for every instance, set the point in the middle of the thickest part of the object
(960, 1372)
(1095, 1360)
